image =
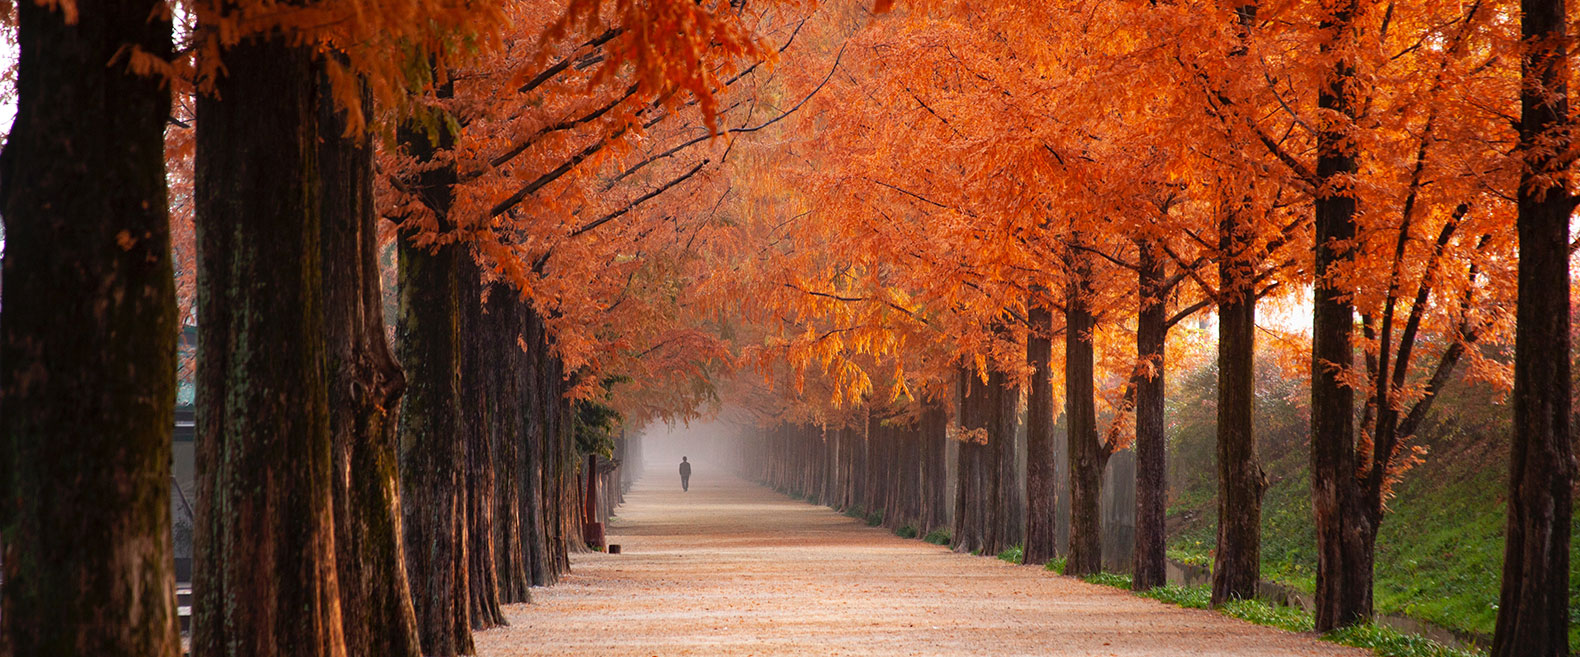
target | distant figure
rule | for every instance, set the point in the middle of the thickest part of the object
(685, 475)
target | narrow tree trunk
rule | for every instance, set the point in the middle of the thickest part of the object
(265, 575)
(935, 477)
(432, 447)
(971, 485)
(476, 424)
(364, 384)
(1237, 561)
(1151, 475)
(88, 338)
(1042, 485)
(995, 498)
(1344, 564)
(1533, 606)
(534, 512)
(507, 438)
(1087, 458)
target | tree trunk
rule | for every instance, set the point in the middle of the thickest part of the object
(432, 447)
(265, 574)
(970, 532)
(88, 338)
(534, 512)
(935, 478)
(476, 422)
(1533, 606)
(507, 438)
(365, 384)
(1237, 561)
(1087, 458)
(1042, 485)
(995, 497)
(1344, 564)
(1151, 442)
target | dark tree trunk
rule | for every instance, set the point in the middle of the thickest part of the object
(1344, 564)
(476, 422)
(534, 512)
(1151, 475)
(1087, 457)
(1237, 561)
(365, 384)
(970, 531)
(1010, 500)
(432, 446)
(507, 439)
(995, 498)
(935, 478)
(88, 338)
(265, 576)
(1533, 607)
(1042, 485)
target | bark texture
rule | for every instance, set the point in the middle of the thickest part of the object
(88, 339)
(1533, 606)
(1151, 475)
(365, 385)
(1237, 560)
(264, 577)
(432, 447)
(1344, 560)
(1087, 455)
(1042, 483)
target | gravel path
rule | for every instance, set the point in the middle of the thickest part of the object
(734, 569)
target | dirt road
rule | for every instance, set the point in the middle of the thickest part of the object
(733, 569)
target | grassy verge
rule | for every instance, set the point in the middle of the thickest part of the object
(1384, 641)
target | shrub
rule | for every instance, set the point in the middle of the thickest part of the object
(1015, 554)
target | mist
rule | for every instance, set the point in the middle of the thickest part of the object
(711, 447)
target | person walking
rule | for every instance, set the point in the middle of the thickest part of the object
(685, 475)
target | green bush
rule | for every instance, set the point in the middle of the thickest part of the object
(875, 518)
(908, 531)
(1015, 554)
(856, 512)
(937, 537)
(1055, 564)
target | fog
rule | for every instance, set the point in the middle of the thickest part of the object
(712, 446)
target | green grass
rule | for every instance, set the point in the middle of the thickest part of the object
(908, 531)
(1388, 642)
(1055, 565)
(1193, 555)
(856, 512)
(875, 518)
(1015, 554)
(937, 537)
(1190, 597)
(1384, 641)
(1116, 580)
(1262, 613)
(1440, 547)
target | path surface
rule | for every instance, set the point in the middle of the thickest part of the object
(733, 569)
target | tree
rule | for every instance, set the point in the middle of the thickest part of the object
(1533, 607)
(88, 337)
(264, 541)
(432, 447)
(365, 385)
